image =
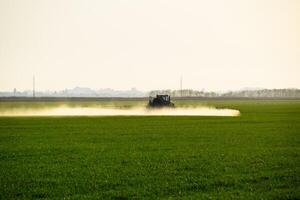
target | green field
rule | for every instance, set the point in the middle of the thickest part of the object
(254, 156)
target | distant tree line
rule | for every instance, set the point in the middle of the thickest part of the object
(87, 92)
(263, 93)
(184, 93)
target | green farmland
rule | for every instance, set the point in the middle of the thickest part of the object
(253, 156)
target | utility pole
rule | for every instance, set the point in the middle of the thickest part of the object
(181, 85)
(33, 87)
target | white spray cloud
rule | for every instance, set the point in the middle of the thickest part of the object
(102, 111)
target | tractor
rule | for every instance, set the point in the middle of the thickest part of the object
(160, 101)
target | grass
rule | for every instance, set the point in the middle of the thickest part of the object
(254, 156)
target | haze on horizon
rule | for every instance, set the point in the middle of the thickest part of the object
(214, 45)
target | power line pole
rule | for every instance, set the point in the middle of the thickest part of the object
(33, 87)
(181, 85)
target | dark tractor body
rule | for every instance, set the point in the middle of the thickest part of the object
(160, 101)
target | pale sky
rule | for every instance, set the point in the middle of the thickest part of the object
(213, 44)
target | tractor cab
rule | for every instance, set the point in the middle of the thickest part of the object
(160, 101)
